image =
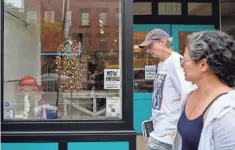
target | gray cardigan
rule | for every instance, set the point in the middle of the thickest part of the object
(219, 128)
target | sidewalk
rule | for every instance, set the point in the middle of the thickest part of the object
(140, 143)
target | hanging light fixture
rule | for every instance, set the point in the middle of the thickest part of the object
(136, 46)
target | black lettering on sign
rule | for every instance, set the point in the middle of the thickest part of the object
(171, 8)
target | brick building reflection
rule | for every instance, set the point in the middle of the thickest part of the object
(95, 23)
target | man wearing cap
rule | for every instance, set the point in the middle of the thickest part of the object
(170, 89)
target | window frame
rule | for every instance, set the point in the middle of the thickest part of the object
(100, 17)
(46, 16)
(31, 16)
(12, 126)
(210, 13)
(84, 10)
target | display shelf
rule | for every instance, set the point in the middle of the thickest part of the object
(94, 95)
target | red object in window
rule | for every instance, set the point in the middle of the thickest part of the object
(39, 87)
(28, 81)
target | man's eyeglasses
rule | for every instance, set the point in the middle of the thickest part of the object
(149, 47)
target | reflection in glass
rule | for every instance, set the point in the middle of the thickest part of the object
(200, 9)
(85, 18)
(182, 41)
(61, 59)
(141, 59)
(142, 8)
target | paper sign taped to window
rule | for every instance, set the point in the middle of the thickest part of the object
(113, 107)
(111, 79)
(150, 72)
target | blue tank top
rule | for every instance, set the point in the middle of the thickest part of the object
(190, 130)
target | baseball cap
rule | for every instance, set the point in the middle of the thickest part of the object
(155, 34)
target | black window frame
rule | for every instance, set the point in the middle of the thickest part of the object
(126, 123)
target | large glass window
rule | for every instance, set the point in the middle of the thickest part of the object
(200, 9)
(103, 17)
(85, 18)
(142, 63)
(49, 16)
(142, 8)
(103, 41)
(228, 17)
(182, 36)
(54, 67)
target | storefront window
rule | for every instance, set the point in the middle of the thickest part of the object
(142, 8)
(55, 65)
(85, 18)
(228, 17)
(182, 41)
(103, 17)
(200, 9)
(142, 63)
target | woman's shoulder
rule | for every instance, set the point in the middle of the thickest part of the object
(224, 131)
(226, 99)
(221, 106)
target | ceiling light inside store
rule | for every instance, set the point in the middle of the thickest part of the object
(136, 46)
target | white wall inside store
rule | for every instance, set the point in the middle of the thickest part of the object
(21, 56)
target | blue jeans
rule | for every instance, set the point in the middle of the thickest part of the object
(154, 144)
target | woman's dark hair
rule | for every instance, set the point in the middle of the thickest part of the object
(218, 48)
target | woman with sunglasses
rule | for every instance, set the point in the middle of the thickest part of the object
(208, 118)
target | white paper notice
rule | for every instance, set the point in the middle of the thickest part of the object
(113, 107)
(150, 72)
(8, 114)
(111, 79)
